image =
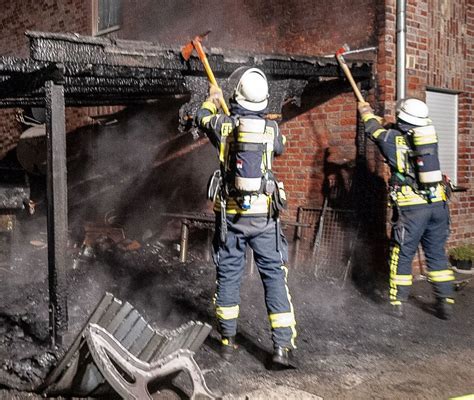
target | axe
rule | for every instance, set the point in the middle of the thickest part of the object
(186, 52)
(347, 71)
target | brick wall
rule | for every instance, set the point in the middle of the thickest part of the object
(16, 18)
(47, 15)
(321, 148)
(417, 38)
(9, 131)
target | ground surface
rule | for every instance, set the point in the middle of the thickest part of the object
(348, 345)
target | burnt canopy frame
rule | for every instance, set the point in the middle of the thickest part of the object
(99, 70)
(71, 70)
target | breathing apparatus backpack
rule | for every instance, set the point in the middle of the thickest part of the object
(246, 168)
(424, 141)
(249, 160)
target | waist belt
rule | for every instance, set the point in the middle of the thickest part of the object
(238, 146)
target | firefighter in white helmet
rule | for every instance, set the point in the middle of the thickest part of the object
(247, 201)
(419, 199)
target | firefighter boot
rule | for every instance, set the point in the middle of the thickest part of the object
(228, 347)
(397, 310)
(444, 308)
(281, 356)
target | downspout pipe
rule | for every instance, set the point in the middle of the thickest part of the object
(401, 49)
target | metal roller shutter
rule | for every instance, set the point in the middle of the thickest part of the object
(444, 113)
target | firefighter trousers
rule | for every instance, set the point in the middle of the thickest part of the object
(260, 234)
(428, 225)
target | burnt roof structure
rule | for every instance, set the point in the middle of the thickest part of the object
(71, 70)
(98, 71)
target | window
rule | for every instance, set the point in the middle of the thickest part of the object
(443, 108)
(107, 16)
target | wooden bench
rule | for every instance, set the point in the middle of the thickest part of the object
(118, 349)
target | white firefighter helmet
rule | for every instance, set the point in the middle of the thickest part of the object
(251, 90)
(413, 111)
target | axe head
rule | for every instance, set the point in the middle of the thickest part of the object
(342, 50)
(188, 48)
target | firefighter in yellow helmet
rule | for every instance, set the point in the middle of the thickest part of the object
(247, 202)
(420, 209)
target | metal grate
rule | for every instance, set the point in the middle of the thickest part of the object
(307, 215)
(334, 232)
(334, 243)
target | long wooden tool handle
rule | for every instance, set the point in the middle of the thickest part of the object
(349, 76)
(210, 74)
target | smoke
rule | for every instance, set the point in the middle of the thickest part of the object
(126, 171)
(137, 166)
(248, 26)
(295, 27)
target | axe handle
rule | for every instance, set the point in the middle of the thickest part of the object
(350, 78)
(210, 74)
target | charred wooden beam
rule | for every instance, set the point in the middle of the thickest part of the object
(130, 82)
(100, 50)
(80, 50)
(26, 82)
(23, 86)
(151, 91)
(111, 100)
(79, 99)
(23, 101)
(57, 210)
(11, 65)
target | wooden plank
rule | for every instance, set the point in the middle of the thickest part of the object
(92, 379)
(103, 305)
(118, 318)
(109, 314)
(142, 341)
(200, 337)
(127, 325)
(147, 353)
(177, 339)
(57, 223)
(135, 333)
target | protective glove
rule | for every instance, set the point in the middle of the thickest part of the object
(364, 108)
(215, 95)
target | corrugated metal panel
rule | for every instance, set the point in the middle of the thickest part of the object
(444, 113)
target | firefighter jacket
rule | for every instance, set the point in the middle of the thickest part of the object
(221, 130)
(394, 146)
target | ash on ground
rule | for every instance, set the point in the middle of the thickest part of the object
(348, 344)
